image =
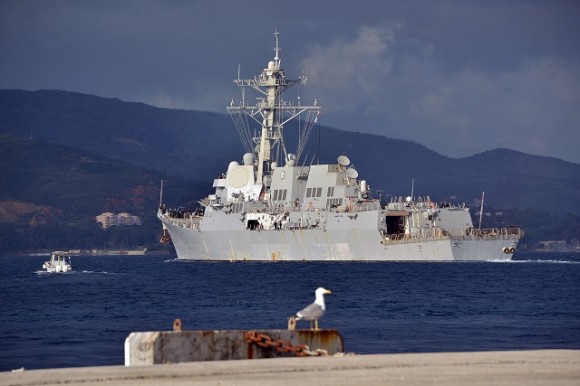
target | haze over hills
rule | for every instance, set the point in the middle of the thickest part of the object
(200, 145)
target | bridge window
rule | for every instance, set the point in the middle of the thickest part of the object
(279, 194)
(333, 202)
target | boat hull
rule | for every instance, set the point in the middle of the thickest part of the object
(346, 240)
(56, 268)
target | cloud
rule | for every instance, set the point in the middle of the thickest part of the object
(351, 70)
(532, 109)
(379, 83)
(459, 78)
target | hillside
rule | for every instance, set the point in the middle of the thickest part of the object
(177, 141)
(200, 145)
(50, 195)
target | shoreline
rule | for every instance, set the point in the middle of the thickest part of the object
(534, 367)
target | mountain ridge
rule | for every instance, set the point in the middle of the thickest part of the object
(200, 145)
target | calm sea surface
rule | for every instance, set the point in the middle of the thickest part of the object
(82, 318)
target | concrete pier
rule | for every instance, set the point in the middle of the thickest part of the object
(541, 367)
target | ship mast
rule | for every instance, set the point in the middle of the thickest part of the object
(271, 112)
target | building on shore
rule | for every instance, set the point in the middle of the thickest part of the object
(109, 219)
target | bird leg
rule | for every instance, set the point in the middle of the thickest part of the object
(292, 323)
(316, 324)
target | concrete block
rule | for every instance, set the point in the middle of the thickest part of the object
(149, 348)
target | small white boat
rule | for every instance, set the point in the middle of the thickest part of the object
(59, 262)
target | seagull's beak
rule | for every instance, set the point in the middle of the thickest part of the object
(328, 292)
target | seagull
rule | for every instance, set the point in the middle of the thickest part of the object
(314, 311)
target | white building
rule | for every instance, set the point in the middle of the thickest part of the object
(108, 219)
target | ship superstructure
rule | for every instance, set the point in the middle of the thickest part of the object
(273, 207)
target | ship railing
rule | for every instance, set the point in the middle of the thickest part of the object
(508, 233)
(276, 208)
(505, 233)
(403, 238)
(190, 221)
(355, 208)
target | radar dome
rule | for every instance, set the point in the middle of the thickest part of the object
(248, 159)
(351, 173)
(232, 165)
(343, 160)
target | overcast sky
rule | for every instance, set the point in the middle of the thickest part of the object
(459, 77)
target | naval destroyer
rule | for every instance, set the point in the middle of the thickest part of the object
(272, 206)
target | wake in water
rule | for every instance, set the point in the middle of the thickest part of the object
(535, 261)
(547, 261)
(44, 273)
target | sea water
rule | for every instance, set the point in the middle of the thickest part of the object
(82, 318)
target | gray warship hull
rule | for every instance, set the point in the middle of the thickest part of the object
(343, 239)
(272, 207)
